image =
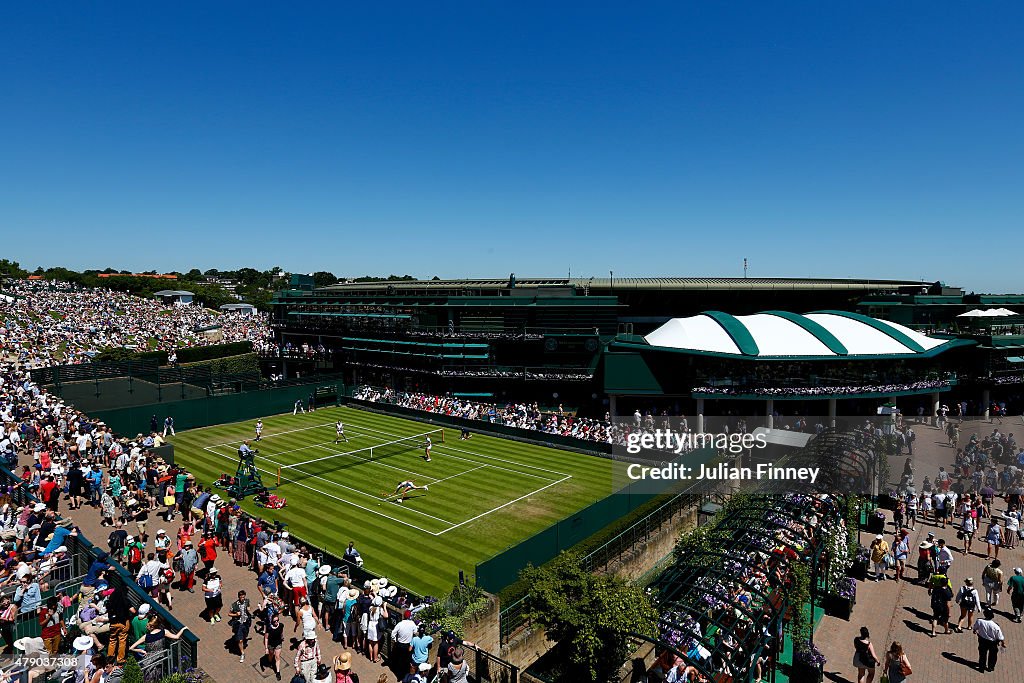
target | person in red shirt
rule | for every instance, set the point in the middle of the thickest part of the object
(50, 493)
(208, 552)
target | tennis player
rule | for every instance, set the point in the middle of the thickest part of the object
(405, 487)
(426, 448)
(259, 429)
(339, 429)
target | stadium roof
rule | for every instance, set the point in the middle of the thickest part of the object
(237, 307)
(173, 292)
(643, 283)
(779, 334)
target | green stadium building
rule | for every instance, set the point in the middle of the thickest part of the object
(683, 345)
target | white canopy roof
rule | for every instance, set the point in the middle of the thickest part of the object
(987, 313)
(782, 334)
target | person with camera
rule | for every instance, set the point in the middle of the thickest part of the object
(240, 619)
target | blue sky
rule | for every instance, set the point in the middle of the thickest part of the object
(478, 138)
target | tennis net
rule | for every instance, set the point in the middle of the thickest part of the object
(318, 466)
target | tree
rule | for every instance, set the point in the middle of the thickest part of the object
(194, 275)
(323, 278)
(588, 616)
(132, 671)
(12, 269)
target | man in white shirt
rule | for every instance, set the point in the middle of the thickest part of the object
(990, 640)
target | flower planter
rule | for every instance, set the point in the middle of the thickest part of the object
(805, 673)
(836, 606)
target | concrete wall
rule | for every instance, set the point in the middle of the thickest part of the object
(531, 643)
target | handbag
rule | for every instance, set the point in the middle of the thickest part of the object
(168, 500)
(905, 667)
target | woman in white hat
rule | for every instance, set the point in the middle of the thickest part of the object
(378, 612)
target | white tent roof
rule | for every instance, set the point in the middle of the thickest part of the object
(987, 313)
(776, 334)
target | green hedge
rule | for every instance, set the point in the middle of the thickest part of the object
(127, 354)
(185, 355)
(198, 353)
(246, 363)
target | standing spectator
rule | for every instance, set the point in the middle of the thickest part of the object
(990, 640)
(273, 640)
(864, 658)
(992, 581)
(51, 620)
(1015, 587)
(968, 599)
(901, 552)
(377, 613)
(119, 614)
(208, 552)
(240, 619)
(879, 549)
(897, 666)
(343, 669)
(187, 559)
(994, 538)
(212, 595)
(421, 643)
(401, 636)
(307, 658)
(942, 594)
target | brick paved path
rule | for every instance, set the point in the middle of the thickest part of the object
(900, 610)
(214, 658)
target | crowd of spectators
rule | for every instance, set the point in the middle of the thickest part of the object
(62, 454)
(838, 390)
(526, 416)
(44, 323)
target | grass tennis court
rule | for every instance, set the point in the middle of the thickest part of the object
(484, 495)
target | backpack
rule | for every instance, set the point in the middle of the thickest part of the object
(134, 555)
(968, 599)
(146, 582)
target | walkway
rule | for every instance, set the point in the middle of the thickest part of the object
(214, 657)
(900, 610)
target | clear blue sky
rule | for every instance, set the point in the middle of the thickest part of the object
(876, 139)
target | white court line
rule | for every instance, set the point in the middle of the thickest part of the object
(333, 483)
(481, 455)
(347, 502)
(287, 431)
(370, 462)
(452, 476)
(484, 514)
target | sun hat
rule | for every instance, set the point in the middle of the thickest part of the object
(62, 549)
(82, 643)
(425, 666)
(879, 537)
(378, 601)
(39, 507)
(161, 531)
(353, 593)
(325, 570)
(366, 584)
(382, 582)
(343, 662)
(143, 609)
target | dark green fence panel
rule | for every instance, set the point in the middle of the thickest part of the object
(503, 569)
(207, 411)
